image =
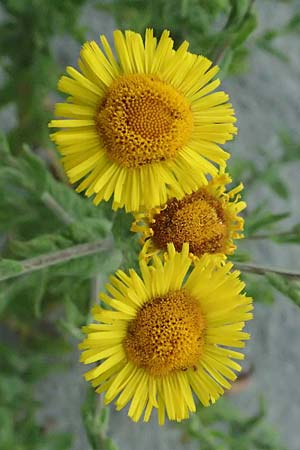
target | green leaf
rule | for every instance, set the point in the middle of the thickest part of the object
(126, 240)
(95, 418)
(59, 441)
(104, 262)
(289, 288)
(9, 267)
(73, 319)
(278, 281)
(290, 147)
(4, 147)
(294, 24)
(4, 300)
(224, 427)
(240, 257)
(88, 229)
(256, 222)
(260, 291)
(11, 387)
(109, 444)
(284, 57)
(23, 296)
(226, 62)
(25, 184)
(39, 292)
(291, 236)
(35, 169)
(243, 170)
(248, 26)
(238, 10)
(75, 205)
(46, 243)
(272, 178)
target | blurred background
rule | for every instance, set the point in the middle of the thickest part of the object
(44, 402)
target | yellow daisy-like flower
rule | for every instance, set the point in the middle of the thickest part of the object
(206, 219)
(165, 335)
(137, 124)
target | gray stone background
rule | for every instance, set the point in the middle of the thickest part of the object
(267, 100)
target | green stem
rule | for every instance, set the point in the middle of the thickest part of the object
(68, 254)
(263, 270)
(103, 431)
(95, 288)
(55, 207)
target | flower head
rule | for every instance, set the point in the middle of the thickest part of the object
(136, 124)
(206, 219)
(167, 334)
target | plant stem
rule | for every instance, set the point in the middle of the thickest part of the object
(262, 270)
(103, 431)
(51, 259)
(55, 207)
(95, 288)
(90, 248)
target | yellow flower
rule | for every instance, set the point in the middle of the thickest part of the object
(167, 334)
(136, 124)
(206, 219)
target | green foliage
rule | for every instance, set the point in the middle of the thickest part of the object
(263, 224)
(125, 239)
(240, 256)
(259, 219)
(41, 217)
(25, 188)
(259, 288)
(218, 29)
(21, 365)
(8, 267)
(291, 236)
(35, 227)
(268, 172)
(30, 68)
(290, 288)
(96, 416)
(267, 40)
(222, 426)
(215, 28)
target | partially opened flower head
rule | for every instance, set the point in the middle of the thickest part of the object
(136, 123)
(207, 219)
(166, 335)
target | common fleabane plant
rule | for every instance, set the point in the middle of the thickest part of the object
(145, 127)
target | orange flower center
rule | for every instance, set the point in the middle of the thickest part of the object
(198, 219)
(143, 120)
(167, 334)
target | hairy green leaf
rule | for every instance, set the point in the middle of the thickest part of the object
(273, 179)
(289, 288)
(256, 222)
(9, 267)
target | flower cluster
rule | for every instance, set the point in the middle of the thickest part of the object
(144, 126)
